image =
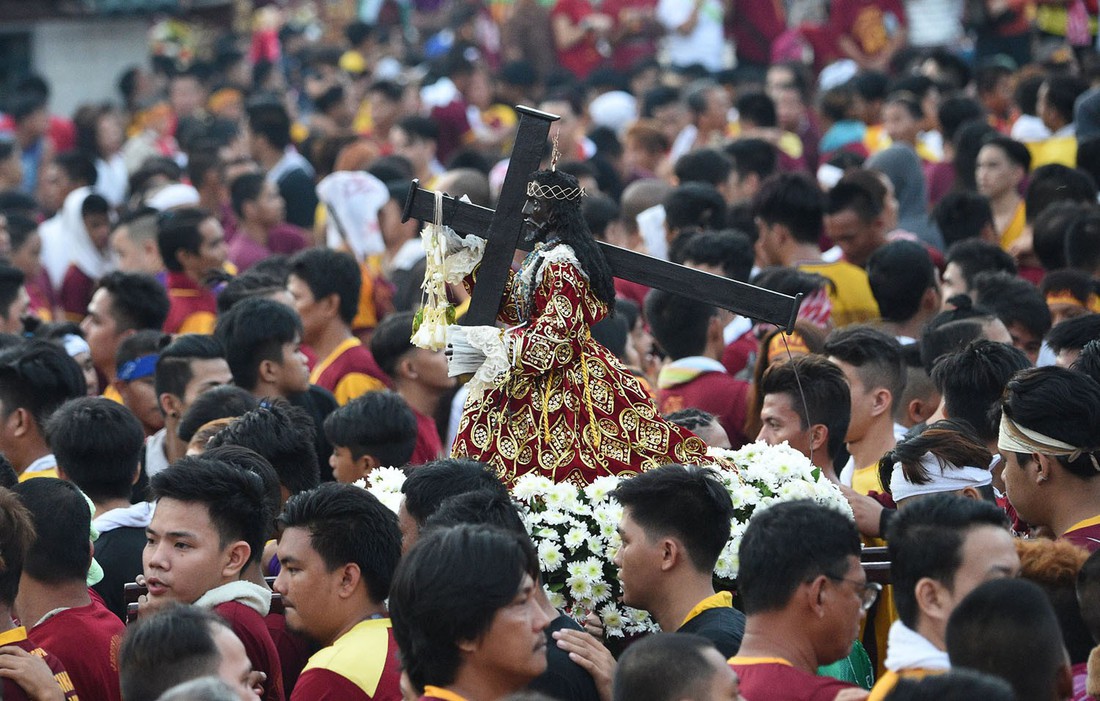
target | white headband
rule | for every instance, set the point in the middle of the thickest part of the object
(943, 475)
(1012, 437)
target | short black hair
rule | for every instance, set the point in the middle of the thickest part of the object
(428, 485)
(1083, 242)
(270, 120)
(961, 215)
(875, 355)
(234, 498)
(246, 187)
(900, 272)
(174, 364)
(251, 283)
(1014, 150)
(223, 402)
(1014, 301)
(956, 111)
(98, 443)
(1062, 94)
(255, 330)
(1055, 182)
(138, 300)
(139, 344)
(1049, 231)
(487, 507)
(751, 155)
(78, 167)
(379, 424)
(251, 461)
(728, 249)
(818, 393)
(793, 200)
(20, 227)
(1073, 334)
(974, 256)
(447, 589)
(971, 381)
(694, 204)
(953, 685)
(178, 230)
(1008, 628)
(926, 538)
(61, 553)
(1060, 403)
(349, 524)
(687, 502)
(705, 165)
(166, 648)
(643, 670)
(38, 376)
(282, 433)
(390, 341)
(419, 128)
(328, 272)
(16, 540)
(859, 191)
(757, 108)
(11, 281)
(788, 544)
(679, 324)
(1077, 283)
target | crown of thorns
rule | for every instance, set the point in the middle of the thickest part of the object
(554, 192)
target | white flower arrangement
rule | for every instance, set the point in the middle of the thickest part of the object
(574, 529)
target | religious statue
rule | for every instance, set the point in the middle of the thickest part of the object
(545, 396)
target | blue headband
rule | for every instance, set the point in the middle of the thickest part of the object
(145, 366)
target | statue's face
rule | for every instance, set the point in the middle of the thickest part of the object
(535, 220)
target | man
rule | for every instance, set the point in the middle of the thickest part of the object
(180, 643)
(807, 404)
(1002, 165)
(710, 166)
(261, 229)
(708, 104)
(122, 305)
(416, 137)
(419, 375)
(35, 379)
(54, 602)
(691, 334)
(262, 340)
(871, 362)
(804, 594)
(673, 667)
(269, 142)
(942, 546)
(855, 217)
(325, 286)
(186, 368)
(1068, 338)
(427, 487)
(1019, 305)
(965, 259)
(136, 361)
(754, 161)
(1008, 628)
(675, 524)
(14, 301)
(788, 212)
(98, 445)
(1050, 418)
(464, 614)
(338, 550)
(1056, 99)
(192, 245)
(207, 528)
(134, 242)
(906, 288)
(375, 430)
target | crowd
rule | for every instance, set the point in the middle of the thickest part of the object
(208, 295)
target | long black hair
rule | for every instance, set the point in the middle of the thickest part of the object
(566, 224)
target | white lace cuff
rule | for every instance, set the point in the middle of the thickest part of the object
(482, 350)
(463, 255)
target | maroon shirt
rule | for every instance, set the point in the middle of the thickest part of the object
(713, 392)
(251, 628)
(86, 640)
(17, 637)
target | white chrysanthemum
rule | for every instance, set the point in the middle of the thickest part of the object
(556, 599)
(387, 479)
(561, 497)
(391, 501)
(598, 490)
(601, 591)
(612, 620)
(592, 569)
(575, 538)
(531, 486)
(555, 518)
(550, 556)
(545, 533)
(580, 588)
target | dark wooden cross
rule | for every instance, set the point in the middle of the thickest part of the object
(502, 228)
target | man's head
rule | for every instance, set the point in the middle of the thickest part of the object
(676, 521)
(1008, 628)
(1050, 418)
(35, 379)
(123, 304)
(701, 672)
(134, 242)
(788, 210)
(941, 547)
(415, 137)
(427, 486)
(325, 286)
(209, 524)
(806, 403)
(406, 364)
(854, 215)
(191, 241)
(1069, 294)
(187, 367)
(904, 282)
(61, 553)
(338, 549)
(1069, 337)
(1002, 165)
(1081, 247)
(1054, 183)
(256, 201)
(223, 402)
(377, 429)
(268, 130)
(16, 539)
(177, 644)
(728, 253)
(1018, 304)
(800, 560)
(462, 606)
(284, 435)
(965, 259)
(754, 161)
(964, 215)
(681, 326)
(262, 340)
(1057, 96)
(14, 300)
(872, 363)
(98, 444)
(710, 166)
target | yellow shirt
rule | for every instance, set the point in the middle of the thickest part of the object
(52, 472)
(889, 680)
(1015, 227)
(853, 301)
(722, 599)
(1056, 149)
(112, 394)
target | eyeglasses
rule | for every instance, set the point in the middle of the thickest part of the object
(868, 591)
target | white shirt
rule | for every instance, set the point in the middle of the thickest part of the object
(705, 44)
(43, 464)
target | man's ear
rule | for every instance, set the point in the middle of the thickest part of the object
(267, 372)
(170, 405)
(882, 401)
(350, 578)
(366, 464)
(19, 422)
(672, 553)
(330, 305)
(819, 436)
(236, 559)
(931, 600)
